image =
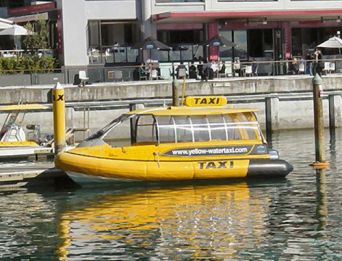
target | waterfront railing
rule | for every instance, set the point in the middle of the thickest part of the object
(154, 70)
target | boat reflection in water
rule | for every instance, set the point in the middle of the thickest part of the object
(193, 221)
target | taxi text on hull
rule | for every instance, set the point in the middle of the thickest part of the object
(204, 139)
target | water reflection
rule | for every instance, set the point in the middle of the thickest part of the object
(214, 221)
(322, 204)
(297, 218)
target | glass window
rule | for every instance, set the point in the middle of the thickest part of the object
(217, 128)
(240, 39)
(183, 129)
(146, 129)
(94, 34)
(226, 53)
(233, 130)
(249, 130)
(200, 127)
(166, 129)
(242, 126)
(184, 43)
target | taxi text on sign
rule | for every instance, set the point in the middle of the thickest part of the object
(205, 101)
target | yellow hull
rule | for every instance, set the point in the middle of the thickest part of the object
(152, 163)
(152, 170)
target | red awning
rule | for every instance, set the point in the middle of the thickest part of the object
(279, 15)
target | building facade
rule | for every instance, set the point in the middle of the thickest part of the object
(88, 32)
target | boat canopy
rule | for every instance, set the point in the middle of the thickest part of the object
(195, 128)
(182, 125)
(184, 110)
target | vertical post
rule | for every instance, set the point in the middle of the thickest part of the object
(175, 95)
(58, 103)
(268, 118)
(332, 120)
(132, 107)
(271, 115)
(318, 119)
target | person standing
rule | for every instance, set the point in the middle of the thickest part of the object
(192, 71)
(181, 71)
(237, 67)
(214, 68)
(317, 63)
(200, 69)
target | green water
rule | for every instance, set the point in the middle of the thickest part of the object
(297, 218)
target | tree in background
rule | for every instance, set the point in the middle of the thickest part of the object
(39, 39)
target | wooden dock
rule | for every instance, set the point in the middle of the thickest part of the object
(31, 174)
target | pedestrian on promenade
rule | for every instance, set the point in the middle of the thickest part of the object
(200, 68)
(192, 71)
(237, 67)
(317, 63)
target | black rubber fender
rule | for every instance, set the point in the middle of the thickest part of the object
(268, 168)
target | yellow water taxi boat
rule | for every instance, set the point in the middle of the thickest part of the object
(204, 139)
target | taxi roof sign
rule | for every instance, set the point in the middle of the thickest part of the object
(198, 101)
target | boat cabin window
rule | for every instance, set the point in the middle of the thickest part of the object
(248, 131)
(201, 128)
(167, 130)
(146, 131)
(184, 131)
(239, 126)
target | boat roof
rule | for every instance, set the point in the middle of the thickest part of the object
(23, 107)
(192, 111)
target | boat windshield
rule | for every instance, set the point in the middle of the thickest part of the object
(100, 134)
(173, 129)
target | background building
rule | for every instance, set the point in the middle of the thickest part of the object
(91, 32)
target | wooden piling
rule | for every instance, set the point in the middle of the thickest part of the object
(175, 94)
(318, 123)
(332, 119)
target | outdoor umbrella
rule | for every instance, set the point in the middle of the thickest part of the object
(4, 23)
(218, 40)
(16, 31)
(180, 48)
(150, 44)
(333, 42)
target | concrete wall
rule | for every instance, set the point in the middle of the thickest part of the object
(117, 91)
